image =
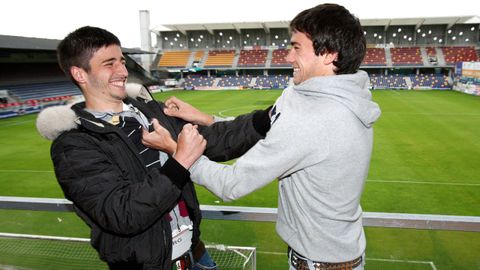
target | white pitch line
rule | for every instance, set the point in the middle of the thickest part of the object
(425, 183)
(272, 252)
(403, 261)
(24, 171)
(220, 113)
(431, 114)
(395, 92)
(369, 180)
(16, 123)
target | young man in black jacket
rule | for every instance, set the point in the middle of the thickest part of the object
(139, 202)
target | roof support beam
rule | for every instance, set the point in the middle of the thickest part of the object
(419, 24)
(239, 31)
(265, 27)
(208, 29)
(181, 31)
(453, 22)
(387, 25)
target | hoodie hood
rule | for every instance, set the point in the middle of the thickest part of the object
(351, 90)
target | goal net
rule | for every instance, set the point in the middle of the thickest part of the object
(36, 252)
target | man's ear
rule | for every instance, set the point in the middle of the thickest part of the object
(78, 74)
(330, 57)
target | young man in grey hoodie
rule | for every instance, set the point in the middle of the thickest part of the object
(319, 145)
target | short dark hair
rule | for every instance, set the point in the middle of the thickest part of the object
(78, 47)
(333, 29)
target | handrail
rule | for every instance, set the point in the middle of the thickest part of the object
(263, 214)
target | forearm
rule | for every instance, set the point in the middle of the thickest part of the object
(228, 182)
(231, 139)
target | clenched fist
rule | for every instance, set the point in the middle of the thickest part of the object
(190, 146)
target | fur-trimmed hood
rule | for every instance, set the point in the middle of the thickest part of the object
(53, 121)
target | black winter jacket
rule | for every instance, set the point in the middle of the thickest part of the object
(124, 203)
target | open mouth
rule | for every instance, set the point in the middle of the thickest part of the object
(118, 84)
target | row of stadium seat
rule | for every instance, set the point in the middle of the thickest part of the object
(245, 81)
(420, 81)
(404, 56)
(40, 91)
(30, 106)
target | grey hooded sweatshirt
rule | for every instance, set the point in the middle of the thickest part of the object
(319, 148)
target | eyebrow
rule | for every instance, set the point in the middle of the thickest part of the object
(293, 43)
(113, 59)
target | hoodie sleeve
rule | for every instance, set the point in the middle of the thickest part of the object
(103, 191)
(227, 140)
(284, 151)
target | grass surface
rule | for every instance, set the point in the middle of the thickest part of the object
(425, 160)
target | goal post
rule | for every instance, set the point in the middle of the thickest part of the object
(28, 252)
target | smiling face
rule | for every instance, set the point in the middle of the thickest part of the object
(305, 63)
(108, 73)
(105, 82)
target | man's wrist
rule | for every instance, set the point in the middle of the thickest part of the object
(182, 160)
(172, 148)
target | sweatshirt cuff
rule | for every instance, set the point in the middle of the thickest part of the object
(261, 121)
(176, 172)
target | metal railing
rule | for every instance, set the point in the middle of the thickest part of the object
(370, 219)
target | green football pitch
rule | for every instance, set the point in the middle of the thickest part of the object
(426, 160)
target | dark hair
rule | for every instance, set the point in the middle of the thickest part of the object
(333, 29)
(78, 47)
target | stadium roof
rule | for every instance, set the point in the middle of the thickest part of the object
(418, 22)
(41, 44)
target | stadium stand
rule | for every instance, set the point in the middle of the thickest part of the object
(198, 56)
(272, 82)
(429, 81)
(196, 81)
(40, 91)
(375, 57)
(252, 58)
(459, 54)
(235, 81)
(425, 55)
(10, 109)
(31, 98)
(174, 59)
(278, 58)
(406, 56)
(220, 58)
(431, 51)
(387, 81)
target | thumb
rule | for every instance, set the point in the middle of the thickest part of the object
(166, 110)
(170, 112)
(155, 123)
(144, 133)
